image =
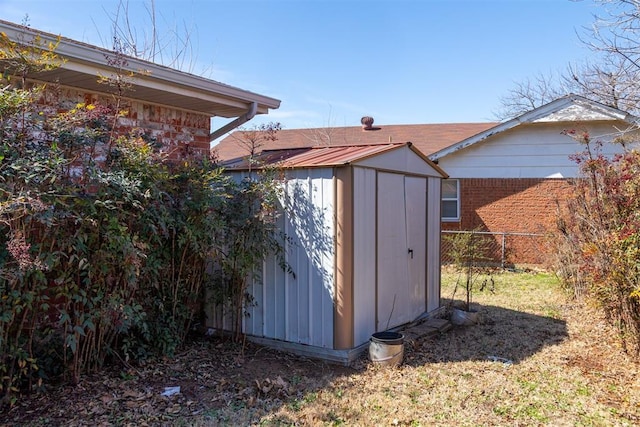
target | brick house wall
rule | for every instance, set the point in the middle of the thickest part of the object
(180, 132)
(525, 205)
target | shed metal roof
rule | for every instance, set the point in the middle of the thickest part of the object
(320, 156)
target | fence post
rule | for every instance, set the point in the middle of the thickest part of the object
(504, 249)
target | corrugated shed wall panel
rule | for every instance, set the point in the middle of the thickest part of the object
(292, 289)
(218, 317)
(433, 244)
(280, 277)
(300, 265)
(274, 303)
(300, 309)
(254, 323)
(324, 257)
(364, 257)
(299, 225)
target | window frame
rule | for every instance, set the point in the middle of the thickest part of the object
(451, 199)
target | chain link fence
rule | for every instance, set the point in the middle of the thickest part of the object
(496, 249)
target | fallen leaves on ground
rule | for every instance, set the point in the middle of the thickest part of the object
(535, 359)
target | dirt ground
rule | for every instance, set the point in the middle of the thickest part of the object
(213, 376)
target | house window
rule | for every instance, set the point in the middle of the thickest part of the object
(450, 200)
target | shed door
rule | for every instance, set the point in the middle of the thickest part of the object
(401, 249)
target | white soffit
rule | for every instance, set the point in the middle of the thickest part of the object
(580, 112)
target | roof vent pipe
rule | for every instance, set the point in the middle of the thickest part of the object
(367, 122)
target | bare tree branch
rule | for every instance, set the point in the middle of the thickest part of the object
(529, 94)
(256, 137)
(158, 41)
(611, 76)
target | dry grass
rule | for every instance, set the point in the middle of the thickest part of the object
(535, 359)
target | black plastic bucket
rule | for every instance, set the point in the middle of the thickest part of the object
(386, 348)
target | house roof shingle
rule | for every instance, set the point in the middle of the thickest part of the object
(428, 138)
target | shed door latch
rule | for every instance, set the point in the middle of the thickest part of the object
(411, 252)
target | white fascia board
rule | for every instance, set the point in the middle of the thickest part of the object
(141, 81)
(474, 139)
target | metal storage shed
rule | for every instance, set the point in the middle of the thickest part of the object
(363, 228)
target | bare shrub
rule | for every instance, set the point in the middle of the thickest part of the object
(598, 239)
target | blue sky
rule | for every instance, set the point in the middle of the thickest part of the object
(332, 62)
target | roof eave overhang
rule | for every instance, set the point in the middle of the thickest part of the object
(534, 116)
(150, 82)
(428, 160)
